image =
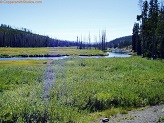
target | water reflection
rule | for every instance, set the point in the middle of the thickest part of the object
(110, 55)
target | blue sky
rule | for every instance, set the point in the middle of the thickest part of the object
(67, 19)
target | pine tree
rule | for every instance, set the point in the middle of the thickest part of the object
(135, 39)
(151, 32)
(144, 27)
(153, 20)
(160, 33)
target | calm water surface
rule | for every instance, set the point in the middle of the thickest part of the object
(110, 55)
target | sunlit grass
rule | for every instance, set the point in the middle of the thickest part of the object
(76, 52)
(17, 73)
(73, 51)
(24, 51)
(22, 62)
(116, 84)
(85, 89)
(21, 89)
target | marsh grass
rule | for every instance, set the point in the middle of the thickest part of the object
(21, 88)
(85, 89)
(117, 84)
(10, 52)
(76, 52)
(40, 52)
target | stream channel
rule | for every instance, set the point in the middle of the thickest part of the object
(109, 55)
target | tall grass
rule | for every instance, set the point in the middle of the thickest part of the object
(56, 51)
(98, 84)
(82, 87)
(21, 89)
(10, 52)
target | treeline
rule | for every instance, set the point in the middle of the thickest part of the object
(148, 33)
(10, 37)
(121, 42)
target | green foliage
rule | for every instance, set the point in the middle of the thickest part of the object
(161, 119)
(136, 42)
(99, 84)
(82, 88)
(23, 103)
(21, 86)
(14, 74)
(150, 41)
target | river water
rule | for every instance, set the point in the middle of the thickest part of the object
(110, 55)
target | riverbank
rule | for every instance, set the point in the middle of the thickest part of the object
(48, 52)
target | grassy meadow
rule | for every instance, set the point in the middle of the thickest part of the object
(84, 90)
(21, 85)
(56, 51)
(12, 52)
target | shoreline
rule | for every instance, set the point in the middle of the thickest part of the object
(58, 55)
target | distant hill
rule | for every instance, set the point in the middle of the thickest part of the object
(11, 37)
(120, 42)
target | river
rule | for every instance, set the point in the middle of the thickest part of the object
(110, 55)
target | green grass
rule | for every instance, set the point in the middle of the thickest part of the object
(18, 73)
(23, 51)
(72, 51)
(21, 88)
(99, 84)
(76, 52)
(85, 89)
